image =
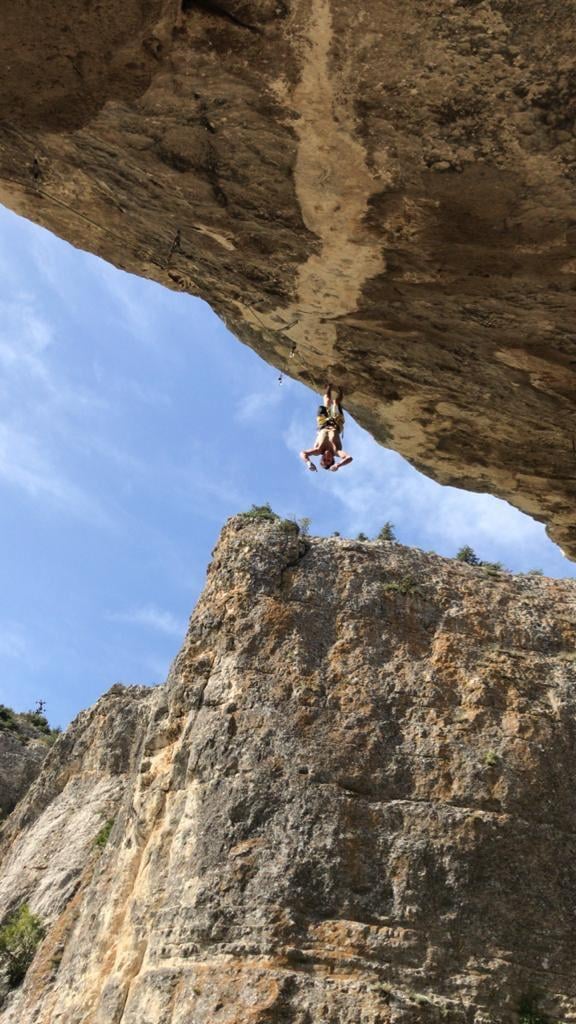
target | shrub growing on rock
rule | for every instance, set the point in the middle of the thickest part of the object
(529, 1011)
(387, 532)
(104, 834)
(468, 555)
(304, 523)
(260, 512)
(19, 939)
(38, 720)
(7, 719)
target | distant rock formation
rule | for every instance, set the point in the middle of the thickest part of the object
(24, 743)
(380, 193)
(353, 800)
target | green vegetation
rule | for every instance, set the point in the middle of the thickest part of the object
(528, 1012)
(387, 532)
(104, 834)
(406, 585)
(421, 999)
(468, 555)
(492, 568)
(38, 720)
(8, 720)
(17, 722)
(265, 513)
(491, 759)
(260, 512)
(19, 939)
(304, 523)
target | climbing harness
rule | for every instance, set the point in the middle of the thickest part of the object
(330, 417)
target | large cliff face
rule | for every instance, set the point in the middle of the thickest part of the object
(353, 800)
(381, 193)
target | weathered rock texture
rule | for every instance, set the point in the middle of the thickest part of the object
(353, 801)
(23, 748)
(380, 192)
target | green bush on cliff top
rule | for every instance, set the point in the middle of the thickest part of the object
(265, 512)
(7, 719)
(19, 939)
(18, 721)
(260, 512)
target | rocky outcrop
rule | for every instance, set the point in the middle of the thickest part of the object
(383, 194)
(23, 747)
(353, 800)
(48, 843)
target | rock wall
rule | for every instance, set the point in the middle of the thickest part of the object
(23, 748)
(47, 845)
(382, 194)
(353, 800)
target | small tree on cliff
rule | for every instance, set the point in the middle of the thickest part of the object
(468, 555)
(387, 532)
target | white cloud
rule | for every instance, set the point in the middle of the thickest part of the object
(254, 405)
(43, 416)
(13, 643)
(26, 466)
(210, 474)
(151, 617)
(27, 347)
(24, 338)
(126, 292)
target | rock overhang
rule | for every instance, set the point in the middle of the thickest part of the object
(383, 196)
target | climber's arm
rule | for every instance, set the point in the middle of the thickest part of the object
(305, 456)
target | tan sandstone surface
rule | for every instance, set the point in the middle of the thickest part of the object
(379, 192)
(353, 802)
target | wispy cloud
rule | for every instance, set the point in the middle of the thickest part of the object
(13, 641)
(26, 466)
(126, 293)
(41, 412)
(151, 617)
(28, 343)
(24, 339)
(210, 476)
(254, 405)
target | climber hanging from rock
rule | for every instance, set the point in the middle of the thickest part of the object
(330, 427)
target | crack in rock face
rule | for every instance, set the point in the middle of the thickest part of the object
(384, 193)
(359, 809)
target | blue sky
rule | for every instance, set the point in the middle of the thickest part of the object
(132, 424)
